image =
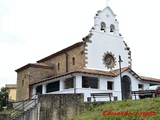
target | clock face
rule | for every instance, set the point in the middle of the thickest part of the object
(109, 60)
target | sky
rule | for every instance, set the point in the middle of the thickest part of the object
(33, 29)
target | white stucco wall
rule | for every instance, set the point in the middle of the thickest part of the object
(102, 43)
(105, 41)
(102, 86)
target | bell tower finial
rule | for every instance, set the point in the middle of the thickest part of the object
(107, 1)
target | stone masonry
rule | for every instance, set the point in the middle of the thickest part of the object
(33, 73)
(60, 106)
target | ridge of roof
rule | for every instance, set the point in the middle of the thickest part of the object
(61, 51)
(39, 65)
(117, 71)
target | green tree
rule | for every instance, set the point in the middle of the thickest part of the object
(4, 95)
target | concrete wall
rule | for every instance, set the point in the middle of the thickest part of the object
(60, 106)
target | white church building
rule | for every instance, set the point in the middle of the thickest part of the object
(100, 63)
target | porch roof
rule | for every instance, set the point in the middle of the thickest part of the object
(111, 73)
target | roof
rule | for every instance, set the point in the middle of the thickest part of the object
(86, 71)
(61, 51)
(112, 73)
(11, 86)
(36, 65)
(110, 10)
(149, 79)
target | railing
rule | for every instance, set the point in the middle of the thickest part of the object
(145, 93)
(23, 106)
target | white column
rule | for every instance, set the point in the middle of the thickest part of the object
(44, 89)
(33, 90)
(78, 81)
(102, 84)
(61, 84)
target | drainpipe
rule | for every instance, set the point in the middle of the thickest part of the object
(66, 62)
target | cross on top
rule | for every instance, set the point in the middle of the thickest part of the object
(107, 2)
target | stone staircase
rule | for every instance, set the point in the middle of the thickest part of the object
(25, 110)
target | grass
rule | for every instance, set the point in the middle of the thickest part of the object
(145, 109)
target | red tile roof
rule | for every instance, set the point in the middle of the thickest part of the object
(112, 73)
(61, 51)
(85, 71)
(149, 79)
(36, 65)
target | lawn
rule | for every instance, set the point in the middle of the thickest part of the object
(145, 109)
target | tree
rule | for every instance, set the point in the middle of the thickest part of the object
(4, 95)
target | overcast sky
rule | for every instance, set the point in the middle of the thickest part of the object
(33, 29)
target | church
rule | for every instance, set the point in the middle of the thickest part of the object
(100, 63)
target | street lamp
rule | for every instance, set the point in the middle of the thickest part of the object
(120, 60)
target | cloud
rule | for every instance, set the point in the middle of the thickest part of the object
(33, 29)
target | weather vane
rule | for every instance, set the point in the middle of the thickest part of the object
(107, 2)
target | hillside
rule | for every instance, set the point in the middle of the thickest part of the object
(146, 109)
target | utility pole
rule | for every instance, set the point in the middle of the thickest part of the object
(120, 74)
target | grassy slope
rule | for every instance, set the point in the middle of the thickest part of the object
(95, 112)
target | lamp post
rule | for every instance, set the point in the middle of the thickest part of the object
(120, 60)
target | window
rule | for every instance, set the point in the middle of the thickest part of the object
(39, 89)
(58, 66)
(69, 83)
(140, 86)
(73, 61)
(109, 85)
(23, 82)
(103, 26)
(52, 87)
(89, 82)
(152, 84)
(112, 28)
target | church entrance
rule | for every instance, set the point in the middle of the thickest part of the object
(126, 87)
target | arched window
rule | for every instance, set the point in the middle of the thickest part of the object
(23, 82)
(73, 61)
(103, 26)
(58, 66)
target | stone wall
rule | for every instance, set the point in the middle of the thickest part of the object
(22, 85)
(60, 106)
(29, 76)
(32, 75)
(77, 53)
(37, 74)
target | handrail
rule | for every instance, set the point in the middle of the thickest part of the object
(14, 115)
(23, 105)
(21, 102)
